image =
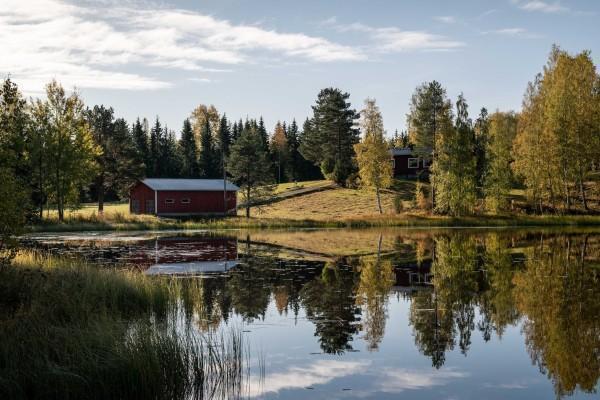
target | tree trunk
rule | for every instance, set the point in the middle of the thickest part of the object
(378, 200)
(248, 202)
(582, 189)
(100, 187)
(583, 198)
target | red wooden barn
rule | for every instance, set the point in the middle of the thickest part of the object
(183, 197)
(408, 164)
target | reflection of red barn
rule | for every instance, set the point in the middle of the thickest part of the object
(183, 197)
(412, 275)
(177, 250)
(408, 164)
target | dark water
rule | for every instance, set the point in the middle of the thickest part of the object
(449, 314)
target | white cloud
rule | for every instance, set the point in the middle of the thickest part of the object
(317, 373)
(398, 380)
(95, 46)
(542, 6)
(392, 39)
(514, 32)
(447, 19)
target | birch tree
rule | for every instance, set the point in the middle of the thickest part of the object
(372, 153)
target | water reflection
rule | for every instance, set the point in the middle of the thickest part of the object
(467, 294)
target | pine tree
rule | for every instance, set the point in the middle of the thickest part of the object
(250, 168)
(453, 173)
(188, 151)
(209, 159)
(372, 154)
(331, 136)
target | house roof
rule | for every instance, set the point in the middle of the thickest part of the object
(193, 185)
(407, 151)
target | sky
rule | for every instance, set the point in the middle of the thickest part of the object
(270, 58)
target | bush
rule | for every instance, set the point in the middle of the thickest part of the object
(12, 215)
(398, 205)
(421, 201)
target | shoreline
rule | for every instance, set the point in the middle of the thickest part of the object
(407, 221)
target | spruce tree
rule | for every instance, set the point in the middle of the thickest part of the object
(224, 142)
(481, 142)
(279, 151)
(154, 152)
(250, 168)
(332, 134)
(307, 169)
(262, 132)
(140, 138)
(101, 121)
(430, 114)
(208, 160)
(188, 151)
(294, 156)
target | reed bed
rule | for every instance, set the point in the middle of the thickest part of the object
(72, 331)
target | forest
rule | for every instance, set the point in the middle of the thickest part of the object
(58, 152)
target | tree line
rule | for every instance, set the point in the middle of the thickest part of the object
(57, 151)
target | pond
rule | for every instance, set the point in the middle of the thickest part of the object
(377, 314)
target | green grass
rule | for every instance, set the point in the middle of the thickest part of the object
(287, 187)
(71, 331)
(338, 207)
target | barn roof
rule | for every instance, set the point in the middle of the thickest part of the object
(407, 151)
(193, 185)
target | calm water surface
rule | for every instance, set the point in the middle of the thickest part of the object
(448, 314)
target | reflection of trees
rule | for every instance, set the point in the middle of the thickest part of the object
(329, 303)
(561, 297)
(376, 279)
(433, 327)
(497, 303)
(445, 316)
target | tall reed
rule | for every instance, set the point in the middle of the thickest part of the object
(69, 330)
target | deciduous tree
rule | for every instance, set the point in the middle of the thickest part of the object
(372, 153)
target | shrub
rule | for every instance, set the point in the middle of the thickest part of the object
(398, 206)
(421, 196)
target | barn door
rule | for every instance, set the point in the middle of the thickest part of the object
(149, 206)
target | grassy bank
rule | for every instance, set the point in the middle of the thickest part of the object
(71, 331)
(386, 220)
(334, 208)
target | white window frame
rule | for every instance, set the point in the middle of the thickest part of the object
(186, 200)
(169, 201)
(425, 163)
(412, 159)
(393, 163)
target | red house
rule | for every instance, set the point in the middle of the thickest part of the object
(408, 164)
(183, 197)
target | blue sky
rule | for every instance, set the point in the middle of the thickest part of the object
(271, 58)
